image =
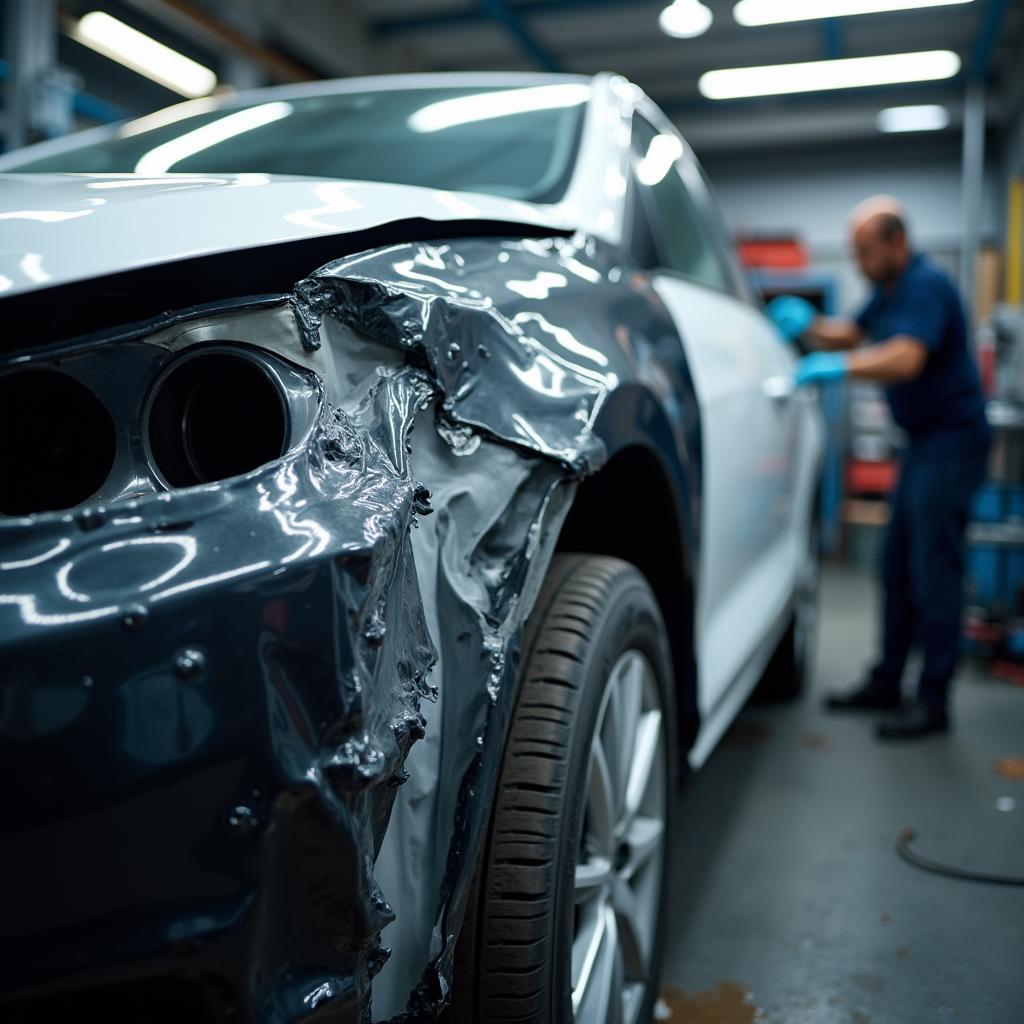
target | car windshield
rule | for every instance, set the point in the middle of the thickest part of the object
(515, 142)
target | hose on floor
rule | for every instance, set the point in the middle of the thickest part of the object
(907, 836)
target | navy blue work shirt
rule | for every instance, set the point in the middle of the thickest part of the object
(946, 397)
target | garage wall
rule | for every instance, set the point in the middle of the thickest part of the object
(811, 195)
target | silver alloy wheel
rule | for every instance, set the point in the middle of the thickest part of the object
(621, 847)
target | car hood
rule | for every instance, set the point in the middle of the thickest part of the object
(60, 228)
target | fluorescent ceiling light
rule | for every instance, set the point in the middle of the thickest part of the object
(162, 158)
(685, 19)
(144, 55)
(820, 75)
(928, 117)
(502, 103)
(775, 12)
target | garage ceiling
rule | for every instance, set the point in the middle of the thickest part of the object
(317, 38)
(593, 35)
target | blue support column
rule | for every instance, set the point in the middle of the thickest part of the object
(984, 44)
(973, 150)
(37, 93)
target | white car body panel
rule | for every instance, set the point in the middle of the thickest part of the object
(749, 555)
(59, 228)
(762, 445)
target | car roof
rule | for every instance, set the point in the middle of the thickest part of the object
(594, 201)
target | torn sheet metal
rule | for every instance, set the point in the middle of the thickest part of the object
(214, 695)
(488, 319)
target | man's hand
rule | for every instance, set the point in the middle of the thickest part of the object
(820, 367)
(791, 315)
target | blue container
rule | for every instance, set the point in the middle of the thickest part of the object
(995, 575)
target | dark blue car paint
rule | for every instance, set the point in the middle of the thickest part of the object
(203, 756)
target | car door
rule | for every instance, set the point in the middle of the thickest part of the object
(743, 379)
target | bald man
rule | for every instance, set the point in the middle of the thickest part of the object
(916, 334)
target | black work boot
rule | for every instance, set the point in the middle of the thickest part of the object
(867, 697)
(916, 719)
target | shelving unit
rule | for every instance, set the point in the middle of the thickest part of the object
(996, 541)
(996, 535)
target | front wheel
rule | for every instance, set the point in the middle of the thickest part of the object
(572, 883)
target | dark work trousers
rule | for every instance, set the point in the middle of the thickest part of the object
(923, 563)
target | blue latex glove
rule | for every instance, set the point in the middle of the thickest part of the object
(791, 314)
(819, 367)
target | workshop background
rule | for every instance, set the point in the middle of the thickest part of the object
(768, 921)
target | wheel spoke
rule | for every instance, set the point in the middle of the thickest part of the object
(616, 892)
(592, 877)
(586, 946)
(630, 931)
(645, 754)
(600, 803)
(644, 837)
(611, 740)
(631, 689)
(596, 996)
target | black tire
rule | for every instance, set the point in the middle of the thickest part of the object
(593, 614)
(787, 674)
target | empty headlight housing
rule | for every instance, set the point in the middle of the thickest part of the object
(57, 442)
(215, 413)
(159, 408)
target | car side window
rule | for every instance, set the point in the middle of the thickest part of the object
(642, 245)
(683, 240)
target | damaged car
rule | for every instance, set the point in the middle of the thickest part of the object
(400, 486)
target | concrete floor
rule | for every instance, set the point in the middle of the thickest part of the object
(790, 903)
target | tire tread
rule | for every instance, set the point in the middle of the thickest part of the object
(516, 978)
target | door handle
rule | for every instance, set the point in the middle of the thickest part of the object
(779, 388)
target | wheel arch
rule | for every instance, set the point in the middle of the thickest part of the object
(643, 506)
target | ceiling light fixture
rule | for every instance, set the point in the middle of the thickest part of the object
(685, 19)
(927, 117)
(823, 75)
(143, 54)
(776, 12)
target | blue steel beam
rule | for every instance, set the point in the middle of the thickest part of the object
(508, 17)
(86, 105)
(93, 108)
(832, 37)
(473, 15)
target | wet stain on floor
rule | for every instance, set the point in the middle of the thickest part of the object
(869, 982)
(1010, 768)
(727, 1003)
(746, 734)
(815, 741)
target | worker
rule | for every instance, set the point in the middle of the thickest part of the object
(916, 330)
